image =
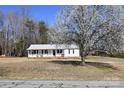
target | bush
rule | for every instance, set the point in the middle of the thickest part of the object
(119, 55)
(99, 53)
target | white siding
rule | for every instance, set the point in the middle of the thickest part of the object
(71, 54)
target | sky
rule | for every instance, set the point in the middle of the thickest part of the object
(46, 13)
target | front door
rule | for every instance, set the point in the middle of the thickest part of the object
(54, 53)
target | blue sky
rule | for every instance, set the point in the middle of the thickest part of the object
(41, 12)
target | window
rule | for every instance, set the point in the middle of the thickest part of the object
(46, 51)
(60, 50)
(69, 51)
(34, 51)
(73, 51)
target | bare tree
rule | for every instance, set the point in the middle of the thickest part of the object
(18, 30)
(52, 35)
(11, 33)
(2, 36)
(88, 27)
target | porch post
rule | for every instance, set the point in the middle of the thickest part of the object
(31, 52)
(28, 53)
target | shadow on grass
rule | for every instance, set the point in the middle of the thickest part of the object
(77, 63)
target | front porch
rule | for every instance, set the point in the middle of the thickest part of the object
(46, 53)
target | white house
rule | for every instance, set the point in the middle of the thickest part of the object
(53, 50)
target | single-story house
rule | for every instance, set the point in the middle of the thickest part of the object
(53, 50)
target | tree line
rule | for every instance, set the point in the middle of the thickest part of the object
(18, 30)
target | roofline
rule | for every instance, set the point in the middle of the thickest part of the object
(52, 49)
(62, 46)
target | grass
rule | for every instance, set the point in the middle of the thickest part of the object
(96, 68)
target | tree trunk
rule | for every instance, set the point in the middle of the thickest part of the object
(82, 60)
(82, 55)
